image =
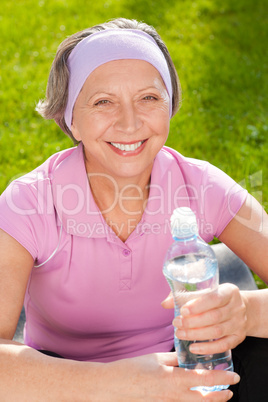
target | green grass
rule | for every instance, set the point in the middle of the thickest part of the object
(218, 48)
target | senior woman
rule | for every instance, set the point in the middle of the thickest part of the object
(83, 237)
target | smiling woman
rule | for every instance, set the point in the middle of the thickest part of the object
(84, 236)
(129, 108)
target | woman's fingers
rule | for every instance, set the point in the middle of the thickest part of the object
(210, 378)
(194, 378)
(156, 377)
(216, 315)
(206, 378)
(221, 396)
(168, 302)
(168, 359)
(217, 346)
(218, 330)
(224, 295)
(221, 315)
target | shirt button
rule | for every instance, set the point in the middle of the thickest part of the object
(126, 252)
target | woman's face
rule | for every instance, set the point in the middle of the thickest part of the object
(122, 117)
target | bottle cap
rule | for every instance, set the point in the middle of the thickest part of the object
(183, 223)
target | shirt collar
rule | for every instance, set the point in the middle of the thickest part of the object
(81, 216)
(167, 190)
(73, 199)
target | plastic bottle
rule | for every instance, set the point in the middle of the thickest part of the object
(191, 270)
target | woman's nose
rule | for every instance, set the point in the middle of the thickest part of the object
(128, 119)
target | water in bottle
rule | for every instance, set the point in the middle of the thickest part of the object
(191, 270)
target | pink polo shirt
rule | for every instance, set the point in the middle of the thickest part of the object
(91, 296)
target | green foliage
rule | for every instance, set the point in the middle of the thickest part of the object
(219, 49)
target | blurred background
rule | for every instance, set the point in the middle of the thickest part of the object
(220, 52)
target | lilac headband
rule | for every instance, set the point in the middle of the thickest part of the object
(108, 45)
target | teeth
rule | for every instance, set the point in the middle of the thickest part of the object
(127, 147)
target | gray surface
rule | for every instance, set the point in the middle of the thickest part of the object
(231, 268)
(19, 331)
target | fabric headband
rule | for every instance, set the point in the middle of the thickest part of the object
(109, 45)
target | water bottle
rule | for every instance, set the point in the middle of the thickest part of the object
(191, 270)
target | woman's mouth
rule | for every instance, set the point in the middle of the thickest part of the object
(127, 147)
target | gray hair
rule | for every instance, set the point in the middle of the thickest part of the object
(53, 107)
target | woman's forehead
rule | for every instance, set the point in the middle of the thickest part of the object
(121, 65)
(127, 71)
(112, 45)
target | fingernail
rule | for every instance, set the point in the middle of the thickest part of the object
(236, 378)
(194, 348)
(180, 334)
(177, 322)
(230, 395)
(167, 298)
(185, 311)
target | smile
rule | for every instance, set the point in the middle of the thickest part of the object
(127, 147)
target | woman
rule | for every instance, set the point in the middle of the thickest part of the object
(91, 233)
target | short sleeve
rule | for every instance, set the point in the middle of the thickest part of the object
(213, 196)
(221, 198)
(24, 212)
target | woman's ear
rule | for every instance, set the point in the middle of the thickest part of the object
(75, 132)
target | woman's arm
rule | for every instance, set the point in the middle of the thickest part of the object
(247, 236)
(28, 375)
(15, 267)
(25, 374)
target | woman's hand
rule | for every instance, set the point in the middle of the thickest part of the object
(220, 316)
(156, 377)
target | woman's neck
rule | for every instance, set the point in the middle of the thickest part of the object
(130, 196)
(121, 202)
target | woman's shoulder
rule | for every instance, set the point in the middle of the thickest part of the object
(44, 172)
(198, 172)
(48, 168)
(28, 201)
(183, 161)
(193, 170)
(28, 194)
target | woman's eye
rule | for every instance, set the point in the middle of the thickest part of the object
(101, 102)
(150, 97)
